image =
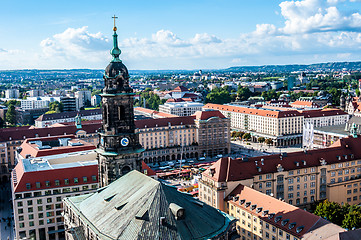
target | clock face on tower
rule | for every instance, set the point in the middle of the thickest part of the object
(124, 142)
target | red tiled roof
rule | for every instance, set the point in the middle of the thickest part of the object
(204, 115)
(164, 122)
(21, 133)
(322, 112)
(179, 100)
(34, 151)
(227, 169)
(254, 111)
(304, 103)
(150, 171)
(51, 175)
(280, 209)
(180, 89)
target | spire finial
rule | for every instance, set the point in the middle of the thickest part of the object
(114, 28)
(115, 50)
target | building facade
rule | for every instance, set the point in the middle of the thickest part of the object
(263, 217)
(47, 120)
(48, 170)
(283, 127)
(181, 108)
(298, 178)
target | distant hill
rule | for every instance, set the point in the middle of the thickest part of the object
(336, 66)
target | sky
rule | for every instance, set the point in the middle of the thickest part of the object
(187, 34)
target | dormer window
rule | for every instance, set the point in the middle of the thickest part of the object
(259, 210)
(278, 218)
(299, 229)
(284, 222)
(242, 201)
(271, 215)
(248, 204)
(28, 186)
(253, 207)
(292, 225)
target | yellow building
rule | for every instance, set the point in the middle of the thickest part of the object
(262, 217)
(298, 178)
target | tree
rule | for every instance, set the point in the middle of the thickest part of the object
(10, 115)
(56, 106)
(352, 220)
(331, 211)
(219, 96)
(357, 92)
(243, 93)
(261, 139)
(150, 99)
(246, 136)
(268, 141)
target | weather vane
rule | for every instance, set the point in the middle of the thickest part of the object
(114, 28)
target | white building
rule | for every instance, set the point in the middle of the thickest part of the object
(83, 98)
(36, 93)
(46, 173)
(283, 127)
(12, 93)
(181, 108)
(47, 120)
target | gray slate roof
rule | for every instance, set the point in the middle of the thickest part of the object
(131, 208)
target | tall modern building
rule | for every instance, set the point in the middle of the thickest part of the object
(119, 150)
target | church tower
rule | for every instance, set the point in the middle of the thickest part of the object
(118, 150)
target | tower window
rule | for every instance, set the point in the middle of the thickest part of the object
(121, 113)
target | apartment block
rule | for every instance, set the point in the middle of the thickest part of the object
(284, 127)
(48, 170)
(298, 178)
(263, 217)
(181, 108)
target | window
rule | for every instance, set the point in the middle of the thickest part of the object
(94, 178)
(40, 215)
(85, 179)
(48, 192)
(21, 218)
(21, 225)
(76, 180)
(66, 181)
(30, 202)
(268, 184)
(290, 180)
(49, 200)
(40, 208)
(47, 183)
(85, 188)
(57, 182)
(260, 185)
(58, 199)
(290, 188)
(28, 186)
(41, 222)
(37, 184)
(31, 216)
(58, 205)
(30, 209)
(290, 195)
(39, 201)
(20, 204)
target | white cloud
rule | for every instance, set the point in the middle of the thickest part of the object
(75, 43)
(317, 16)
(313, 30)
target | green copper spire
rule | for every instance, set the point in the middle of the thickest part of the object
(115, 50)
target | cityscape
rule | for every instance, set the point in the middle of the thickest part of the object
(166, 121)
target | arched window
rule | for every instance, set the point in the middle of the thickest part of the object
(121, 113)
(105, 114)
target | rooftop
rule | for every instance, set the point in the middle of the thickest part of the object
(285, 216)
(275, 113)
(132, 208)
(46, 146)
(228, 169)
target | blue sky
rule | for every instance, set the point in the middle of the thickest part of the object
(188, 34)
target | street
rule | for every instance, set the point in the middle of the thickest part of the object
(6, 218)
